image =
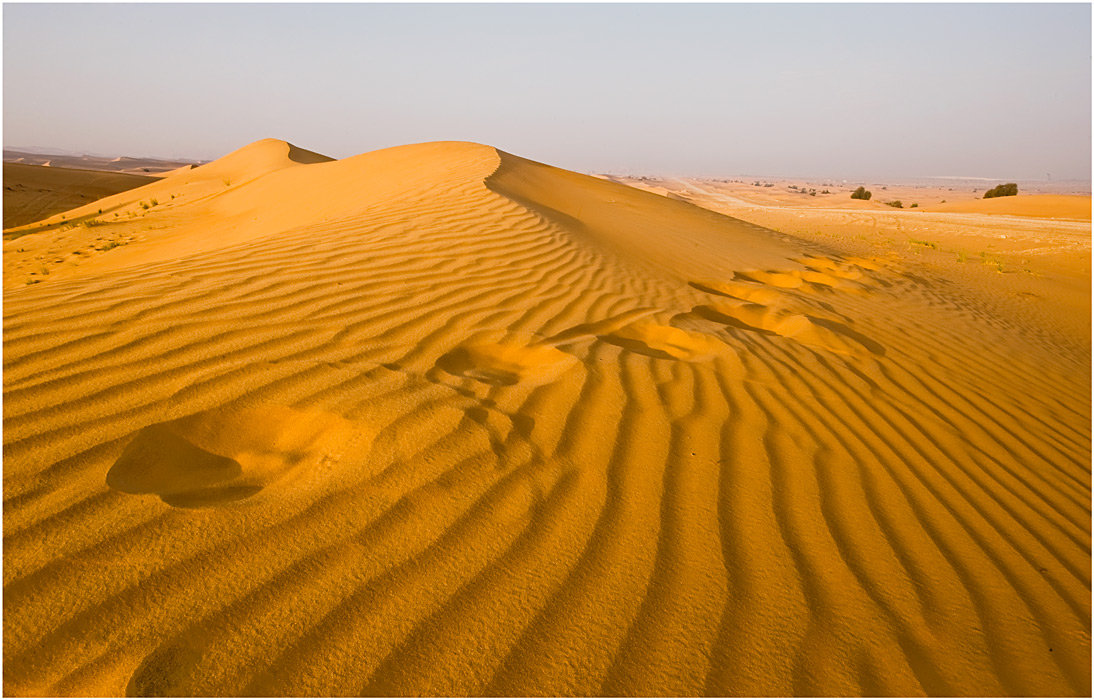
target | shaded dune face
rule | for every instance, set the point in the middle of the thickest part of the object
(438, 420)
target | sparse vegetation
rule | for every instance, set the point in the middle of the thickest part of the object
(861, 193)
(926, 244)
(896, 203)
(915, 205)
(33, 281)
(155, 202)
(227, 182)
(991, 261)
(1008, 190)
(144, 205)
(110, 245)
(962, 256)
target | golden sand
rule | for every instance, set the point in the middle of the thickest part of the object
(439, 420)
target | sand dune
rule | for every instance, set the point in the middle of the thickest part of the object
(122, 164)
(1045, 206)
(441, 420)
(32, 192)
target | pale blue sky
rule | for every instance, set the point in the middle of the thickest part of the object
(810, 90)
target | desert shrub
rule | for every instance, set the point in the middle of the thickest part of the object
(914, 205)
(1008, 190)
(861, 193)
(155, 201)
(896, 203)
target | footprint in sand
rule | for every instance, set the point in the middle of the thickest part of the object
(819, 273)
(814, 331)
(506, 363)
(664, 342)
(226, 454)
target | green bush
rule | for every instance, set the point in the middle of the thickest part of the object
(1008, 190)
(861, 193)
(896, 203)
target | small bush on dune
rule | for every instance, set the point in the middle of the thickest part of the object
(861, 193)
(896, 203)
(1008, 190)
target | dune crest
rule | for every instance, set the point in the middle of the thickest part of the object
(440, 420)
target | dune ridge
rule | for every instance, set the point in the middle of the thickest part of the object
(550, 436)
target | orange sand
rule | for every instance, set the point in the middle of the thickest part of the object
(1045, 206)
(438, 420)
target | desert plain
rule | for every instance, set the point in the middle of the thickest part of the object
(441, 420)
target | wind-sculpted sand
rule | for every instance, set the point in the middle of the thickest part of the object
(438, 420)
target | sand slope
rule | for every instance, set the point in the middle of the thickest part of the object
(440, 420)
(33, 192)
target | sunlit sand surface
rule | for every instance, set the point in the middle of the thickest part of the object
(439, 420)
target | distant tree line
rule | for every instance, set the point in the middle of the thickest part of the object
(1008, 190)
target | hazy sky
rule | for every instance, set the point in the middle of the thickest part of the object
(811, 90)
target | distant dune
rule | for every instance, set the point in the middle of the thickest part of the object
(122, 164)
(1045, 206)
(440, 420)
(33, 192)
